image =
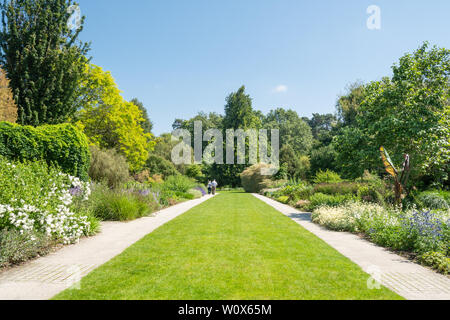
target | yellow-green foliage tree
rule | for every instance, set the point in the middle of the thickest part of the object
(8, 109)
(111, 122)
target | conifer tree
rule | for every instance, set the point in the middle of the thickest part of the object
(42, 58)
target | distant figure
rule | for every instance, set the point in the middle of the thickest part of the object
(209, 187)
(214, 185)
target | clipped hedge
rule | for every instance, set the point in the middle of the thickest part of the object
(62, 145)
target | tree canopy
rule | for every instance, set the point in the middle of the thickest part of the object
(111, 122)
(42, 59)
(408, 113)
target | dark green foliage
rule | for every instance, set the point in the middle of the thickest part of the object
(108, 166)
(158, 165)
(374, 189)
(407, 114)
(323, 158)
(348, 105)
(337, 188)
(295, 133)
(226, 175)
(297, 166)
(41, 58)
(16, 247)
(239, 112)
(370, 193)
(61, 145)
(195, 172)
(323, 127)
(147, 125)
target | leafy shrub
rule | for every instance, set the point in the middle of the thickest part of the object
(437, 261)
(378, 190)
(178, 184)
(370, 193)
(253, 179)
(337, 188)
(17, 247)
(108, 166)
(38, 198)
(327, 176)
(158, 165)
(300, 191)
(432, 200)
(195, 172)
(320, 199)
(283, 199)
(62, 145)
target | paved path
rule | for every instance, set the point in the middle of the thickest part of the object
(45, 277)
(408, 279)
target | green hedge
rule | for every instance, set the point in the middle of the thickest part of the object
(62, 145)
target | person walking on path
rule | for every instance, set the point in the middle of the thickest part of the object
(209, 187)
(214, 185)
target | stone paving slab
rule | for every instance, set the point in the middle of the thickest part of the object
(45, 277)
(408, 279)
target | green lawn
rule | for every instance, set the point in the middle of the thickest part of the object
(233, 246)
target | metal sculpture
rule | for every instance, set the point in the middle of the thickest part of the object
(400, 179)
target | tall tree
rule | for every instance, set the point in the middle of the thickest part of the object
(348, 104)
(111, 122)
(42, 58)
(147, 125)
(294, 131)
(408, 113)
(239, 114)
(8, 109)
(323, 127)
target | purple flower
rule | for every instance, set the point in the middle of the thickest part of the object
(201, 190)
(156, 196)
(76, 191)
(144, 193)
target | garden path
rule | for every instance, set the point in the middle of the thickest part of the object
(406, 278)
(44, 277)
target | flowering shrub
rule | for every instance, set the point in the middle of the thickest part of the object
(417, 232)
(38, 198)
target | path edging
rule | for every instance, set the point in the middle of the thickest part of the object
(406, 278)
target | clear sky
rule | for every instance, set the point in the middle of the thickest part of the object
(180, 57)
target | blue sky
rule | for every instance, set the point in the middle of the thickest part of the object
(183, 56)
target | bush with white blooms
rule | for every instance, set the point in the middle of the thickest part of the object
(37, 198)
